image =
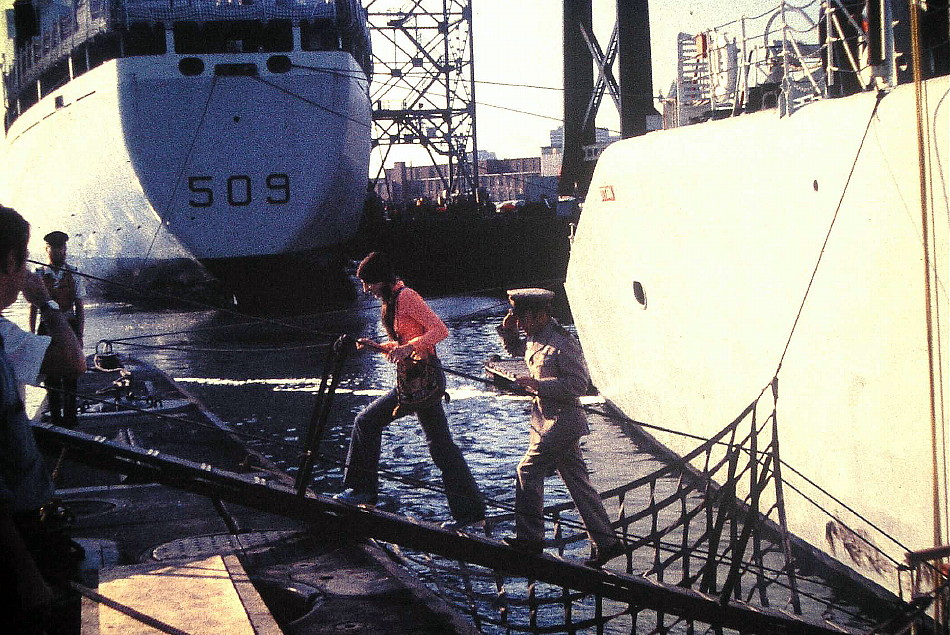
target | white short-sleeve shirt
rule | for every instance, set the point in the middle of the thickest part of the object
(25, 351)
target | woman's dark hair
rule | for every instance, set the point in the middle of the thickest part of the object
(375, 268)
(14, 235)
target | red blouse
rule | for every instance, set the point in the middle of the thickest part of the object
(416, 323)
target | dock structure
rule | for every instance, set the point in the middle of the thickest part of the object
(174, 545)
(210, 594)
(276, 498)
(153, 505)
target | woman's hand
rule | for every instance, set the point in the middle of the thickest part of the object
(365, 342)
(400, 353)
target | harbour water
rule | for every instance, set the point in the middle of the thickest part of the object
(261, 378)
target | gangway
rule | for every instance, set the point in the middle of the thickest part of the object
(264, 492)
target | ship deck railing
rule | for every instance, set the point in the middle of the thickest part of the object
(492, 574)
(61, 35)
(792, 54)
(206, 10)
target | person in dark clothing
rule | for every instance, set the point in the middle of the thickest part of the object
(34, 593)
(66, 290)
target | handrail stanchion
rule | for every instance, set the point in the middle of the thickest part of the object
(321, 411)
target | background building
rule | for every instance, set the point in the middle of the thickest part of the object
(501, 180)
(530, 179)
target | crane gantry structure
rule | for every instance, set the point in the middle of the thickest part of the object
(423, 92)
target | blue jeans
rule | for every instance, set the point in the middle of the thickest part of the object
(362, 461)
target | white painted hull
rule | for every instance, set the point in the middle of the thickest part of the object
(723, 224)
(141, 163)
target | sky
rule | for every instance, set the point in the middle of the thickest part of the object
(519, 42)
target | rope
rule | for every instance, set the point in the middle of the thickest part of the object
(286, 91)
(201, 305)
(392, 476)
(928, 295)
(416, 483)
(824, 245)
(619, 417)
(196, 349)
(164, 218)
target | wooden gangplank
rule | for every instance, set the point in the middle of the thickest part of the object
(269, 495)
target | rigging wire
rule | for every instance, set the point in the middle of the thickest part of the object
(610, 415)
(415, 483)
(938, 167)
(393, 476)
(287, 91)
(922, 154)
(151, 294)
(165, 217)
(877, 102)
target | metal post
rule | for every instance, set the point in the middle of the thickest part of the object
(318, 420)
(578, 87)
(636, 70)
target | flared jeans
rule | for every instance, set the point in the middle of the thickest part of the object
(362, 461)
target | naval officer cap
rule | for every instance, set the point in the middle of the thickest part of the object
(56, 238)
(531, 297)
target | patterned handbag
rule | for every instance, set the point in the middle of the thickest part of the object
(419, 383)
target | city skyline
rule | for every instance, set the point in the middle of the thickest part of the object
(518, 69)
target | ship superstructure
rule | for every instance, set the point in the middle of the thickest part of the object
(792, 255)
(236, 134)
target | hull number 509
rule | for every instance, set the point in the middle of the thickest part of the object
(239, 190)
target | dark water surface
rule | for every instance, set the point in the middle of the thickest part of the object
(261, 378)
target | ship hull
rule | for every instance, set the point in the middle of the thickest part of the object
(141, 164)
(760, 254)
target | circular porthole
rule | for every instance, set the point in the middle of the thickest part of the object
(191, 66)
(278, 63)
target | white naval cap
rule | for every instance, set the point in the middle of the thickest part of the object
(532, 296)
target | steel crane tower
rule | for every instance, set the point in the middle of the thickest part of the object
(423, 88)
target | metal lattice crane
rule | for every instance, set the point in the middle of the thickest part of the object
(423, 92)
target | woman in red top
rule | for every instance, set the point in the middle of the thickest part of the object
(414, 330)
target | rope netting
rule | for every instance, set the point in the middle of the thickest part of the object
(711, 522)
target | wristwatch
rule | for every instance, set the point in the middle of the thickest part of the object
(49, 304)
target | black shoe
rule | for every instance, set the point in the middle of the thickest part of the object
(353, 497)
(465, 526)
(599, 557)
(527, 546)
